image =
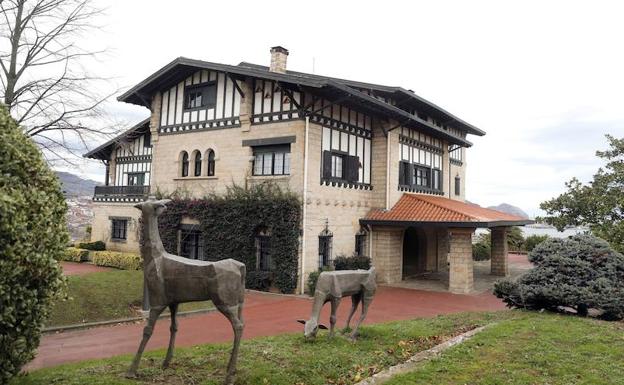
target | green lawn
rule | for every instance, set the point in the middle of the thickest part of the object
(285, 359)
(104, 296)
(519, 348)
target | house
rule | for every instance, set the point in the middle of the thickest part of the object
(380, 170)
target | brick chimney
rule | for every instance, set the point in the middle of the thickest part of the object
(278, 59)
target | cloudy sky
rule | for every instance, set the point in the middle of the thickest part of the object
(543, 79)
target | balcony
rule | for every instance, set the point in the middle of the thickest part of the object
(120, 193)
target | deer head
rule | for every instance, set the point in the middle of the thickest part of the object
(311, 327)
(152, 207)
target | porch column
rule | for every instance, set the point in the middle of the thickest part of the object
(387, 254)
(461, 279)
(499, 265)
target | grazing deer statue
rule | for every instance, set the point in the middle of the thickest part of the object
(172, 280)
(332, 286)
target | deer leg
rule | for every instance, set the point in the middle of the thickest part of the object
(234, 315)
(147, 333)
(355, 300)
(332, 318)
(173, 309)
(366, 301)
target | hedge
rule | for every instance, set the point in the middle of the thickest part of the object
(74, 254)
(97, 245)
(116, 259)
(33, 236)
(230, 223)
(354, 262)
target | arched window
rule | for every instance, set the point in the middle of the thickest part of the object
(325, 247)
(185, 164)
(211, 163)
(198, 161)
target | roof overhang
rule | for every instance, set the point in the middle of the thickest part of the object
(467, 224)
(103, 152)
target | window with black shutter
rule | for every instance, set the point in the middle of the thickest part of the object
(360, 243)
(271, 160)
(341, 167)
(263, 250)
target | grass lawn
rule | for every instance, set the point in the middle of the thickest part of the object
(520, 348)
(285, 359)
(104, 296)
(531, 349)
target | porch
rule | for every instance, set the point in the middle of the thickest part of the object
(426, 242)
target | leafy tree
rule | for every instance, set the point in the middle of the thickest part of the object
(515, 239)
(581, 272)
(33, 233)
(598, 204)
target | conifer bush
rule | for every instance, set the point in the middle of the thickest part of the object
(33, 236)
(581, 272)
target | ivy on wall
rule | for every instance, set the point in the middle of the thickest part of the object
(230, 223)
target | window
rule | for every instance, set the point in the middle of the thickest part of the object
(271, 160)
(360, 243)
(136, 179)
(119, 229)
(211, 163)
(191, 242)
(185, 164)
(263, 251)
(325, 248)
(341, 166)
(198, 164)
(200, 96)
(457, 185)
(455, 153)
(421, 176)
(147, 139)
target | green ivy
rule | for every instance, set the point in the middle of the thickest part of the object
(230, 222)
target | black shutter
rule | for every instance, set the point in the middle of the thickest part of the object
(409, 174)
(353, 168)
(327, 164)
(402, 173)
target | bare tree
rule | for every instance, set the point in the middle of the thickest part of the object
(45, 84)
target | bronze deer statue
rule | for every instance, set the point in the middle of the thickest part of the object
(332, 286)
(172, 280)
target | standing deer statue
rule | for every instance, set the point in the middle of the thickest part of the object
(332, 286)
(172, 280)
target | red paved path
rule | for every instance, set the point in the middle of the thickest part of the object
(265, 314)
(74, 268)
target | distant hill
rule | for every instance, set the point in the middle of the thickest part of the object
(75, 186)
(510, 209)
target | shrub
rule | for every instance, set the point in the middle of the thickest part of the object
(73, 254)
(581, 272)
(481, 251)
(258, 280)
(33, 236)
(354, 262)
(515, 239)
(533, 240)
(96, 246)
(230, 223)
(116, 259)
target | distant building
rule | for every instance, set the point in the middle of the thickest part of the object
(381, 171)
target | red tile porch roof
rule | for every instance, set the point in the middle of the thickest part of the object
(413, 209)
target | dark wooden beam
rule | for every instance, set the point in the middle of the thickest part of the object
(240, 91)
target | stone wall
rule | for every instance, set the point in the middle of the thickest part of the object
(461, 279)
(101, 229)
(388, 254)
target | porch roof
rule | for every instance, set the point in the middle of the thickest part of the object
(417, 209)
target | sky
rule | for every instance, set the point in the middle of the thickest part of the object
(545, 80)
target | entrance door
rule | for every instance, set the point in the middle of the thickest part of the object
(414, 243)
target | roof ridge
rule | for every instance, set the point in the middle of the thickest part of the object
(470, 217)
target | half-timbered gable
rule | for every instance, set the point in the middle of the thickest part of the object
(133, 162)
(271, 102)
(420, 166)
(204, 100)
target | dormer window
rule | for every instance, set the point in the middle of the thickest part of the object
(200, 96)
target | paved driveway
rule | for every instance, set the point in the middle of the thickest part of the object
(74, 268)
(265, 314)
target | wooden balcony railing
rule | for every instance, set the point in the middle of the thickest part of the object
(131, 191)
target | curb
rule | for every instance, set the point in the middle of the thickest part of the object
(415, 360)
(88, 325)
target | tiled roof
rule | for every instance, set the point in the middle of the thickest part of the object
(416, 208)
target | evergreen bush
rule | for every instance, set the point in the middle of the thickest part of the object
(533, 240)
(116, 259)
(96, 246)
(33, 236)
(258, 280)
(74, 254)
(582, 272)
(354, 262)
(230, 223)
(481, 251)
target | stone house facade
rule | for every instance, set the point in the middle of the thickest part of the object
(350, 149)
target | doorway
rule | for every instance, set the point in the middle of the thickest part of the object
(414, 252)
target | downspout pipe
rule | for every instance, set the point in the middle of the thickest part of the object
(305, 204)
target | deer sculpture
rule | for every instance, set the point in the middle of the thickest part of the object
(172, 280)
(332, 286)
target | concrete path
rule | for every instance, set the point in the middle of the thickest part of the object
(74, 268)
(265, 314)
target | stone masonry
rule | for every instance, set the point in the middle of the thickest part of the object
(499, 265)
(461, 279)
